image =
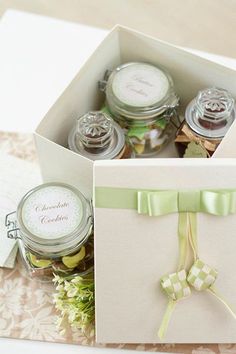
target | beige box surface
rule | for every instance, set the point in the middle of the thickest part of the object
(190, 73)
(134, 251)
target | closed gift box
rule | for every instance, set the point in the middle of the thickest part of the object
(155, 218)
(190, 73)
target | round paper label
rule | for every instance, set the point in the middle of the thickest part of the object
(52, 212)
(140, 85)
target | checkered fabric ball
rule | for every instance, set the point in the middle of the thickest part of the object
(201, 276)
(175, 285)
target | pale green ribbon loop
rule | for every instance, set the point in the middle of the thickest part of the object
(157, 203)
(218, 203)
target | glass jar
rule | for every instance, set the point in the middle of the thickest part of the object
(97, 136)
(207, 119)
(54, 227)
(142, 100)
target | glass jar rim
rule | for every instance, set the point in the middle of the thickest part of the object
(117, 107)
(192, 117)
(95, 129)
(113, 149)
(62, 245)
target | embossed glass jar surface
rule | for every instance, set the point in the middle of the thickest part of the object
(54, 227)
(207, 119)
(141, 98)
(97, 136)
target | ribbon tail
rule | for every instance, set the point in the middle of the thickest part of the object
(193, 234)
(166, 319)
(183, 239)
(213, 291)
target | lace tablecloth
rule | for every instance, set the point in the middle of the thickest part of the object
(26, 308)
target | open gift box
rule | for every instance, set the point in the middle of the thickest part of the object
(154, 218)
(190, 74)
(133, 250)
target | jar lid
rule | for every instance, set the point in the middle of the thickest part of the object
(96, 136)
(211, 113)
(54, 218)
(137, 90)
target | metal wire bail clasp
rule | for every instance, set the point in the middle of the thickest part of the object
(103, 83)
(11, 225)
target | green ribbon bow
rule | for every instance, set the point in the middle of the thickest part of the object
(166, 202)
(187, 203)
(156, 203)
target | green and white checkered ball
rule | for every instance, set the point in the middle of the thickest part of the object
(201, 276)
(175, 285)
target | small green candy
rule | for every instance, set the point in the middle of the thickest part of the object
(73, 261)
(39, 263)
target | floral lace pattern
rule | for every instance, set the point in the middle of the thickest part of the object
(26, 308)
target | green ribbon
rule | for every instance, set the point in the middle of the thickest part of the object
(185, 202)
(157, 203)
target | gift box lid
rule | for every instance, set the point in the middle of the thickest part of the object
(141, 210)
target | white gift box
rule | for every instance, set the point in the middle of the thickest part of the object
(133, 251)
(190, 74)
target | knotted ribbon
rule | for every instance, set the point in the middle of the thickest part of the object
(187, 203)
(156, 203)
(189, 136)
